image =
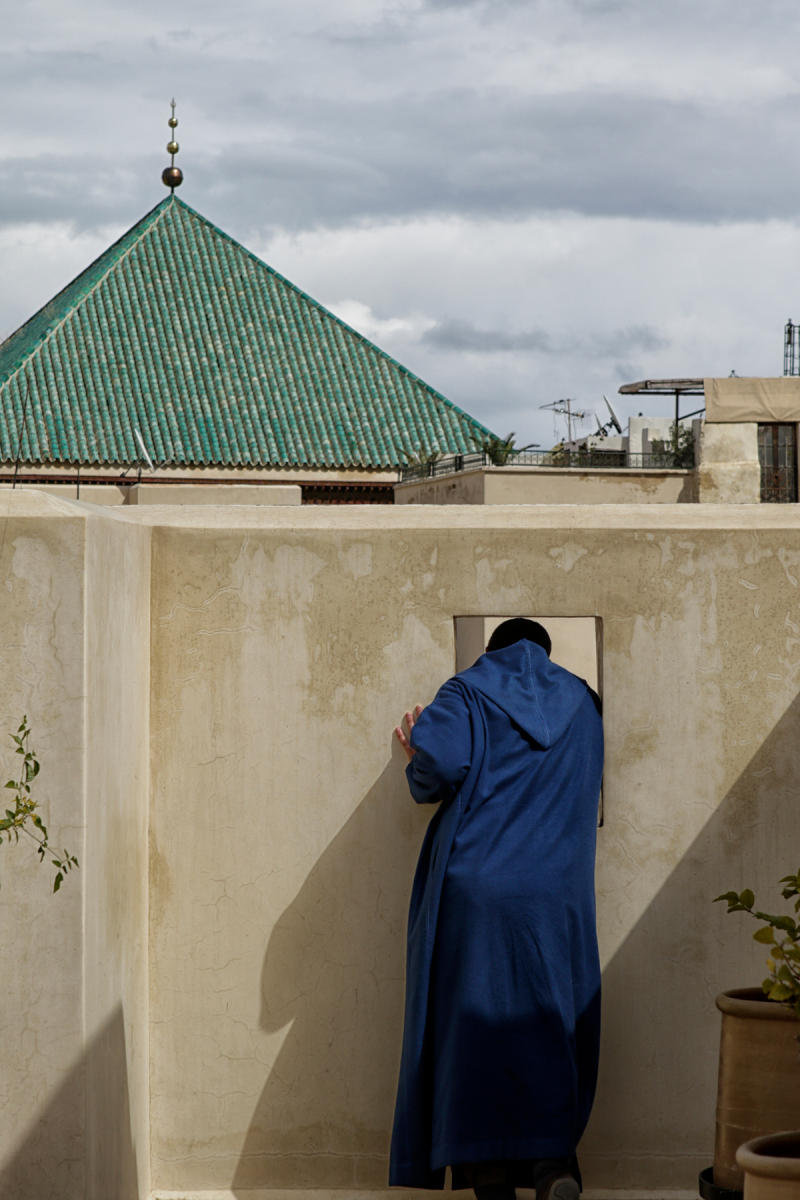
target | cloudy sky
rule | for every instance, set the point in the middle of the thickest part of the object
(522, 200)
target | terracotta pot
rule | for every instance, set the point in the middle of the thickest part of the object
(771, 1166)
(759, 1076)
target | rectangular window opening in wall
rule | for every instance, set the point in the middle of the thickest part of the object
(777, 456)
(577, 645)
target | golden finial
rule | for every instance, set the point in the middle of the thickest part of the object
(172, 176)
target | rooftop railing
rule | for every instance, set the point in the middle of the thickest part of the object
(668, 460)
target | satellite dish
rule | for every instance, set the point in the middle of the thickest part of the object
(614, 418)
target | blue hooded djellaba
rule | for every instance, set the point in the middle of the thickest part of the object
(502, 1014)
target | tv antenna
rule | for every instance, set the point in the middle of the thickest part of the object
(563, 408)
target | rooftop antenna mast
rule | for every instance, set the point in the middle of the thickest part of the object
(791, 348)
(563, 408)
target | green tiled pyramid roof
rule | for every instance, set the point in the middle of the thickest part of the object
(181, 334)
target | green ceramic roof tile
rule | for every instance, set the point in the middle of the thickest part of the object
(181, 334)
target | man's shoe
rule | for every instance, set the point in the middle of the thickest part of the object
(558, 1187)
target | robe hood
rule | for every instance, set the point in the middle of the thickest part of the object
(537, 695)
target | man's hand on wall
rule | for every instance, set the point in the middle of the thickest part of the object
(403, 735)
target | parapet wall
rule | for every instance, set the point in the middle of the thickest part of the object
(551, 485)
(269, 652)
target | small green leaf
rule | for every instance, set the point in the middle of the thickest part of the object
(747, 898)
(729, 897)
(779, 991)
(765, 935)
(57, 881)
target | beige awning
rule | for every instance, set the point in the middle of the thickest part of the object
(760, 398)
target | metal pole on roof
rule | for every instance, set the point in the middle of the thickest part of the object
(677, 411)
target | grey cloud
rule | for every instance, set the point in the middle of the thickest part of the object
(492, 155)
(486, 154)
(84, 191)
(624, 341)
(463, 335)
(342, 124)
(499, 7)
(630, 370)
(455, 334)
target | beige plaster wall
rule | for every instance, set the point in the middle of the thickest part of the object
(283, 839)
(284, 644)
(729, 471)
(169, 493)
(463, 487)
(213, 493)
(91, 493)
(549, 485)
(589, 487)
(73, 1084)
(42, 1077)
(115, 863)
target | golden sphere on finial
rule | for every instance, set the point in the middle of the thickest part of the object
(173, 122)
(172, 177)
(172, 147)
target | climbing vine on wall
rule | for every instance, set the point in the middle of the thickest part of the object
(24, 817)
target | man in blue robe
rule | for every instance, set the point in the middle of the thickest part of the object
(502, 1012)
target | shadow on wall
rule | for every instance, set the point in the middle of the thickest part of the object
(79, 1150)
(658, 1061)
(334, 969)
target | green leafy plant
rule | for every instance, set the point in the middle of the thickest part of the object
(497, 449)
(24, 814)
(781, 933)
(679, 450)
(422, 458)
(420, 462)
(559, 456)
